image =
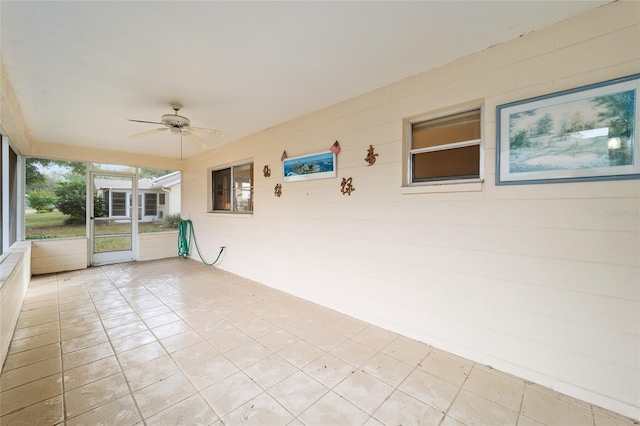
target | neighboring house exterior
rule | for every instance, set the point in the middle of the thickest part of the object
(157, 197)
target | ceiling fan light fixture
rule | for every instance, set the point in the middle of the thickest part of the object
(175, 120)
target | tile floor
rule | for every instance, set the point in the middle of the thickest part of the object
(174, 342)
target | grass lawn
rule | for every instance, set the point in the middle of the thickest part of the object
(51, 225)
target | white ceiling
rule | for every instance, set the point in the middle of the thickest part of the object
(80, 69)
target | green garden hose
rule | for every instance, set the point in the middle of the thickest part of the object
(185, 235)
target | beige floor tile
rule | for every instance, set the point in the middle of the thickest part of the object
(75, 321)
(303, 327)
(348, 327)
(278, 340)
(36, 320)
(301, 353)
(82, 342)
(406, 350)
(261, 410)
(195, 354)
(81, 330)
(429, 389)
(151, 372)
(162, 319)
(30, 393)
(120, 412)
(248, 354)
(547, 408)
(471, 409)
(22, 359)
(171, 329)
(325, 339)
(27, 312)
(87, 309)
(191, 411)
(34, 342)
(227, 340)
(372, 421)
(86, 355)
(117, 316)
(230, 393)
(495, 388)
(364, 391)
(192, 310)
(298, 392)
(140, 355)
(402, 409)
(450, 421)
(210, 371)
(353, 352)
(446, 366)
(133, 341)
(153, 312)
(47, 412)
(90, 372)
(95, 394)
(181, 341)
(270, 371)
(26, 332)
(375, 337)
(259, 328)
(32, 372)
(387, 369)
(329, 370)
(604, 417)
(125, 330)
(331, 409)
(528, 421)
(163, 394)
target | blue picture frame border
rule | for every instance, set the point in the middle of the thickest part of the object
(313, 175)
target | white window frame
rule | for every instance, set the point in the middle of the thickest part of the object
(408, 152)
(232, 189)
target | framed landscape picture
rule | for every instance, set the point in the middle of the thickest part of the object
(587, 133)
(314, 166)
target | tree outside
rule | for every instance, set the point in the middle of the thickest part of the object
(56, 195)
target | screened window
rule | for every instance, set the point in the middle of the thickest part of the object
(118, 203)
(445, 149)
(8, 196)
(150, 204)
(161, 199)
(232, 189)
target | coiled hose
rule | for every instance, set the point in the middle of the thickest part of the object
(186, 233)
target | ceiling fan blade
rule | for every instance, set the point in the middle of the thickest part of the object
(193, 138)
(209, 131)
(147, 133)
(144, 121)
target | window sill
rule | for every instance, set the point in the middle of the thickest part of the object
(234, 214)
(442, 187)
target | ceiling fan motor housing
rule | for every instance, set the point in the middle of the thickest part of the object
(175, 122)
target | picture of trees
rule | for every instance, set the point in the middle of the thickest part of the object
(587, 133)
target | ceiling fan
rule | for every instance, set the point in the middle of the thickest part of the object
(179, 125)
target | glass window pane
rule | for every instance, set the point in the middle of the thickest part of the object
(460, 127)
(150, 204)
(118, 203)
(243, 176)
(56, 199)
(113, 167)
(447, 164)
(221, 181)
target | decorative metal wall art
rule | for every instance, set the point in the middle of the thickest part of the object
(277, 190)
(346, 187)
(371, 157)
(266, 171)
